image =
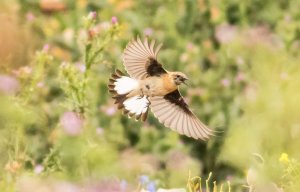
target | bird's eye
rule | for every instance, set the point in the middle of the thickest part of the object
(177, 75)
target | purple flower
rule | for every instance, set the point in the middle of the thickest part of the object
(151, 187)
(92, 15)
(148, 31)
(225, 82)
(71, 123)
(8, 85)
(114, 20)
(144, 179)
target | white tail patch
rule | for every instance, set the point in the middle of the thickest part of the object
(125, 84)
(136, 105)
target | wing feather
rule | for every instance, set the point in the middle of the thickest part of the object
(173, 112)
(179, 127)
(142, 56)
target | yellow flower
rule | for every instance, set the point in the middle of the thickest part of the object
(284, 158)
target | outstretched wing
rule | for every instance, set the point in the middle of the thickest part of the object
(173, 112)
(140, 59)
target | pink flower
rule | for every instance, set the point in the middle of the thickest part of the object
(190, 46)
(92, 15)
(114, 20)
(148, 31)
(46, 48)
(72, 123)
(40, 84)
(225, 33)
(38, 169)
(81, 67)
(240, 77)
(110, 111)
(225, 82)
(8, 85)
(30, 17)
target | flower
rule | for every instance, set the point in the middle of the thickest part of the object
(46, 48)
(92, 15)
(225, 33)
(71, 123)
(240, 77)
(40, 84)
(144, 179)
(190, 46)
(225, 82)
(80, 66)
(114, 20)
(148, 31)
(30, 17)
(110, 111)
(38, 169)
(284, 158)
(8, 85)
(151, 187)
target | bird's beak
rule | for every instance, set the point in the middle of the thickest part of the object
(184, 81)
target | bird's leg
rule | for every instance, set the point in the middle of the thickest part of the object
(148, 102)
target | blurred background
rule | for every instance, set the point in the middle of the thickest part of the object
(59, 128)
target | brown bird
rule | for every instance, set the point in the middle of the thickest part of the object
(150, 85)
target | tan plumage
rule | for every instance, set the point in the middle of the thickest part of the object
(151, 85)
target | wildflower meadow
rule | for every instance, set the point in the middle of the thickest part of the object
(60, 130)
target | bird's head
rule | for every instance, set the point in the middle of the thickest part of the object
(179, 77)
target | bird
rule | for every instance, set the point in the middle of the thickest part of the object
(149, 85)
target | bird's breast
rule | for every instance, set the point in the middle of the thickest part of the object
(157, 86)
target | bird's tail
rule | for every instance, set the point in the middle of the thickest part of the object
(120, 86)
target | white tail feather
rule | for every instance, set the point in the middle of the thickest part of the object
(136, 104)
(125, 84)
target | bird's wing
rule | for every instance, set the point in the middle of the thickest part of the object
(140, 59)
(173, 112)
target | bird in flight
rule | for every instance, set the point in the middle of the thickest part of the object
(151, 86)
